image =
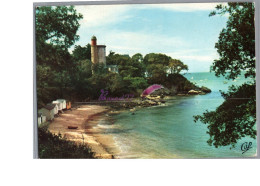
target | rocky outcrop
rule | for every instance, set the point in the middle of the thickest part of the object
(194, 92)
(205, 89)
(161, 92)
(199, 92)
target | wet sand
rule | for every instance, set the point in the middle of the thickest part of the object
(86, 118)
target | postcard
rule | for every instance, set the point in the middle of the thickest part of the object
(145, 81)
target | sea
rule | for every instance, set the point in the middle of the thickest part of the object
(169, 131)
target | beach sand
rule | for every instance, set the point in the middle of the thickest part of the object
(86, 118)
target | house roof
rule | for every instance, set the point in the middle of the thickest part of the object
(61, 100)
(49, 107)
(101, 45)
(56, 102)
(52, 104)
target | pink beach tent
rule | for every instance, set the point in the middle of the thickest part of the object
(151, 89)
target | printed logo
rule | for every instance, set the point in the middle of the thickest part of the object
(104, 93)
(246, 146)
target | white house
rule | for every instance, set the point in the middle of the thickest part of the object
(59, 104)
(112, 68)
(48, 111)
(41, 118)
(56, 108)
(63, 102)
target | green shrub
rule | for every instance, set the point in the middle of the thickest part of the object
(55, 147)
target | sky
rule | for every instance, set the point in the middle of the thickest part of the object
(182, 31)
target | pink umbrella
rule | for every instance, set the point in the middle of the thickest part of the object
(151, 89)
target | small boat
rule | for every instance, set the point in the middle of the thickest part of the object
(72, 127)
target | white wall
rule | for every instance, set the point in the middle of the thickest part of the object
(102, 54)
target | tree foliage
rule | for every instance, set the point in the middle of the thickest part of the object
(57, 25)
(236, 117)
(176, 66)
(55, 28)
(82, 53)
(159, 66)
(56, 147)
(236, 44)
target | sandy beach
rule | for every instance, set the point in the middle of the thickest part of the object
(86, 118)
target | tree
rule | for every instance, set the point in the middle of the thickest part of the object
(236, 117)
(114, 59)
(236, 45)
(154, 58)
(116, 85)
(55, 28)
(127, 66)
(138, 58)
(137, 63)
(99, 69)
(57, 25)
(156, 66)
(156, 73)
(176, 66)
(82, 53)
(135, 83)
(110, 59)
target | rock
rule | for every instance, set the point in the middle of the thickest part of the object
(161, 92)
(194, 92)
(150, 102)
(153, 97)
(132, 110)
(205, 89)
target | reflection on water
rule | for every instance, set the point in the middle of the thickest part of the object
(169, 131)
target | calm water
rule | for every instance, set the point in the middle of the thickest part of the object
(169, 131)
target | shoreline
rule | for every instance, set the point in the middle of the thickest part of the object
(86, 119)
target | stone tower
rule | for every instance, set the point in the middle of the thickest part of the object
(98, 52)
(94, 56)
